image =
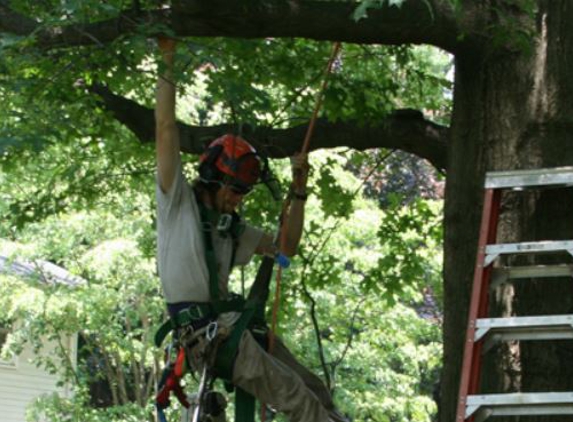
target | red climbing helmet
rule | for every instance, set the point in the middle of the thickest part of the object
(233, 160)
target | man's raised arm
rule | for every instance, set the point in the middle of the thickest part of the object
(166, 131)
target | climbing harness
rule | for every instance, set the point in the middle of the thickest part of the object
(197, 322)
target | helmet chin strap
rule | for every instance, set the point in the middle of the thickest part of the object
(214, 201)
(209, 198)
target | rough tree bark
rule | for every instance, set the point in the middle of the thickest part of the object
(427, 21)
(512, 110)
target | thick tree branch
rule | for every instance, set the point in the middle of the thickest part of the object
(13, 22)
(414, 22)
(406, 130)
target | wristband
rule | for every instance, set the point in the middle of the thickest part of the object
(282, 260)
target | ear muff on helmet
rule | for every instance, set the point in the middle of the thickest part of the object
(208, 171)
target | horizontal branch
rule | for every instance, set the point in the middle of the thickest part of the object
(413, 22)
(406, 130)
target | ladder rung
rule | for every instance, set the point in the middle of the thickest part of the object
(494, 250)
(559, 176)
(502, 274)
(515, 404)
(550, 327)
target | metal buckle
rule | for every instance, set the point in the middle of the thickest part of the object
(186, 335)
(260, 330)
(195, 312)
(185, 314)
(224, 223)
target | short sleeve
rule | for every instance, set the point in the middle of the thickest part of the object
(170, 200)
(248, 242)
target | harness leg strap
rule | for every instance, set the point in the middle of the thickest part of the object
(244, 406)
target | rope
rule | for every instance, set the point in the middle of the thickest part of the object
(286, 205)
(320, 97)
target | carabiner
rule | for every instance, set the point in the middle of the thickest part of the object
(211, 331)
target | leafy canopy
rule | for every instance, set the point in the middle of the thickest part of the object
(77, 190)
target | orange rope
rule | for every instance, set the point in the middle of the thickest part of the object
(320, 97)
(286, 204)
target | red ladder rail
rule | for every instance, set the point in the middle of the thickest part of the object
(471, 365)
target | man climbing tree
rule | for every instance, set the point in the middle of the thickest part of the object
(201, 237)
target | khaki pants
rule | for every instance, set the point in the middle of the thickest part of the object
(282, 382)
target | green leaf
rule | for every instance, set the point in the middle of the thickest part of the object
(361, 12)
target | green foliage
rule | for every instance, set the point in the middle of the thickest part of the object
(382, 358)
(380, 339)
(77, 190)
(335, 200)
(514, 25)
(115, 311)
(407, 234)
(77, 408)
(361, 11)
(271, 81)
(48, 183)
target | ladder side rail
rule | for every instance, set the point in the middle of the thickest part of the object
(470, 378)
(487, 270)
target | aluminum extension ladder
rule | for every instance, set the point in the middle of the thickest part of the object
(483, 332)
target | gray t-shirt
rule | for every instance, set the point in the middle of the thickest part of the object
(180, 249)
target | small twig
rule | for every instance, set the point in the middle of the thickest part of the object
(350, 336)
(297, 93)
(316, 330)
(66, 357)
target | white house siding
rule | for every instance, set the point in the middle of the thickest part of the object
(22, 382)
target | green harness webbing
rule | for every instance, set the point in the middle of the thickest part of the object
(254, 311)
(253, 307)
(197, 312)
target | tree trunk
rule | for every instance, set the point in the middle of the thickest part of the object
(512, 111)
